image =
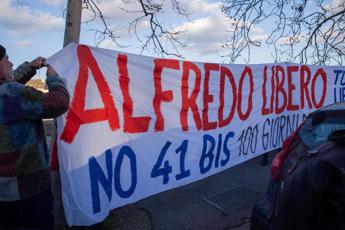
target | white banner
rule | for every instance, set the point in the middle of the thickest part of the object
(138, 125)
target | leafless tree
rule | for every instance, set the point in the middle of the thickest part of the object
(161, 40)
(305, 31)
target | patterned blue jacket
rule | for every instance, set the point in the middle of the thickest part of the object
(24, 168)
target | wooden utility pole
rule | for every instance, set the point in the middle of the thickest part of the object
(73, 19)
(72, 34)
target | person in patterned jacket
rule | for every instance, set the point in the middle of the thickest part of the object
(26, 199)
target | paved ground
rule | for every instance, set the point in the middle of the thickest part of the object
(189, 207)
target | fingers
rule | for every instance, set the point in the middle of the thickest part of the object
(50, 71)
(38, 63)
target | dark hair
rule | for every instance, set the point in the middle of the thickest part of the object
(2, 52)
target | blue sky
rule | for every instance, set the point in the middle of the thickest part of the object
(36, 27)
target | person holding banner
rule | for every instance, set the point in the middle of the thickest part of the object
(26, 199)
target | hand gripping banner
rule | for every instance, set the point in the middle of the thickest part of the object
(139, 125)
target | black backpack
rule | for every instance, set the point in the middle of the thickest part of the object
(311, 191)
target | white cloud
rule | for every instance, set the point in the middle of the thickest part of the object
(52, 2)
(259, 37)
(21, 19)
(334, 7)
(284, 41)
(119, 13)
(204, 33)
(113, 11)
(200, 6)
(22, 43)
(205, 29)
(208, 24)
(337, 3)
(126, 10)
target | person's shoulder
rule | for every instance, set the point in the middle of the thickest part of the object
(10, 88)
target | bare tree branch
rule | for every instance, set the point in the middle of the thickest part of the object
(161, 40)
(97, 14)
(301, 30)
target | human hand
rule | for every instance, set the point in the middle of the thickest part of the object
(38, 63)
(50, 71)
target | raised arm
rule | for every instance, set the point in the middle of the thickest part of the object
(30, 103)
(27, 70)
(56, 102)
